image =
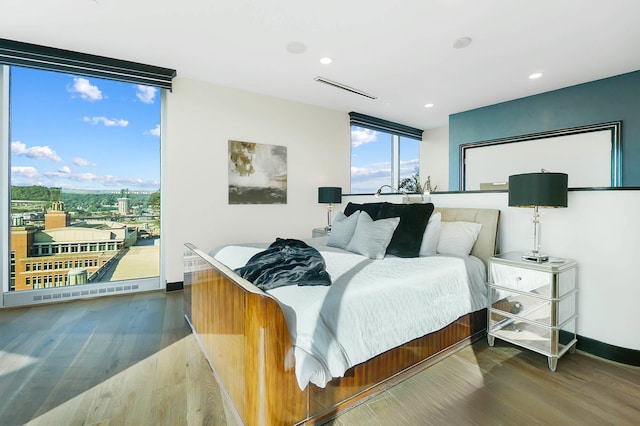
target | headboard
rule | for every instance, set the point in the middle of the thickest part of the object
(486, 244)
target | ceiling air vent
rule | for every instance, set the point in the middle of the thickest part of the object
(344, 87)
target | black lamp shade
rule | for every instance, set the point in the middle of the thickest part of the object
(538, 189)
(329, 194)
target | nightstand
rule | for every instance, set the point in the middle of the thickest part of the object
(533, 305)
(320, 232)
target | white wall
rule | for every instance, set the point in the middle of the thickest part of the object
(434, 157)
(200, 120)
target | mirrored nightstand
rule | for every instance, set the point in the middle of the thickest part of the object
(533, 305)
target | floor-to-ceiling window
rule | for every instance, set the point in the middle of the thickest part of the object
(82, 183)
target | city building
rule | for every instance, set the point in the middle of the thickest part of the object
(62, 253)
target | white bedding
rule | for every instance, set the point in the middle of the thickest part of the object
(371, 306)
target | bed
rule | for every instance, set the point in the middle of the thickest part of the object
(244, 334)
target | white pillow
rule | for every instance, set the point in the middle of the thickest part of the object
(431, 235)
(342, 230)
(371, 238)
(458, 238)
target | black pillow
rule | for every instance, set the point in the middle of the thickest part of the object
(407, 238)
(372, 209)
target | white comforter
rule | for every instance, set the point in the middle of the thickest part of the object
(371, 307)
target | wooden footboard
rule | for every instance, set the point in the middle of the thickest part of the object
(244, 336)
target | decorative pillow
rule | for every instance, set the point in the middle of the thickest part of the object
(458, 238)
(372, 209)
(429, 246)
(407, 237)
(342, 230)
(371, 238)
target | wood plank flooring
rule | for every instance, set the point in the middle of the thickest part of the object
(131, 360)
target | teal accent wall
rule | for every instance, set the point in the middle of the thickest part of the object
(610, 99)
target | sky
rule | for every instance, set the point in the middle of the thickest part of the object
(78, 132)
(371, 159)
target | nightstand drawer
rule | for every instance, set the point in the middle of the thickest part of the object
(542, 311)
(543, 283)
(553, 341)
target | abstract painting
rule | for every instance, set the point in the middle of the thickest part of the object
(257, 173)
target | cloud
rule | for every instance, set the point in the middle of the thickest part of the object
(86, 90)
(37, 152)
(64, 174)
(155, 131)
(361, 136)
(25, 171)
(359, 174)
(120, 182)
(410, 167)
(107, 122)
(79, 161)
(83, 177)
(78, 179)
(146, 94)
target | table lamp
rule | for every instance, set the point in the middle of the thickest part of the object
(538, 190)
(329, 195)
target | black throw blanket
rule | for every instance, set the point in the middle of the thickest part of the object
(286, 262)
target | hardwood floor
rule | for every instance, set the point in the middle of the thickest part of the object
(124, 360)
(131, 360)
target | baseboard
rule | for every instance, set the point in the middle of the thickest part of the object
(610, 352)
(175, 286)
(83, 291)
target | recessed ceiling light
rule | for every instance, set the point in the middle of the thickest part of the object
(326, 60)
(461, 42)
(428, 105)
(535, 75)
(296, 47)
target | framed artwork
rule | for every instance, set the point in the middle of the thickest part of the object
(257, 173)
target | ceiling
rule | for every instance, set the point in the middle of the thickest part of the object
(399, 51)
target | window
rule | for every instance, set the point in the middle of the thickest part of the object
(383, 153)
(83, 134)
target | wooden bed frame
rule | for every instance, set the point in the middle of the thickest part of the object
(243, 333)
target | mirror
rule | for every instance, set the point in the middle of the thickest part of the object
(590, 155)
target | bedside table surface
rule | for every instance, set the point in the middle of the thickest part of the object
(514, 258)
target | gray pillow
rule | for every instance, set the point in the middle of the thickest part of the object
(371, 238)
(342, 230)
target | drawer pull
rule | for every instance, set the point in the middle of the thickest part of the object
(518, 278)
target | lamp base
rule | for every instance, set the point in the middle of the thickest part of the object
(535, 257)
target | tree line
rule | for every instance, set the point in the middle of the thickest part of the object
(82, 201)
